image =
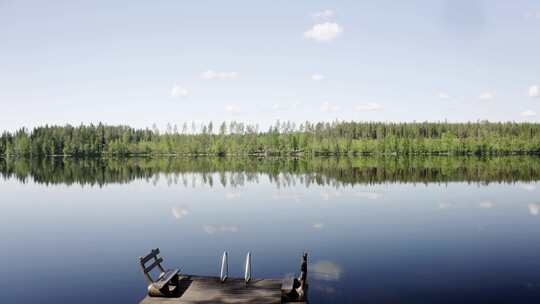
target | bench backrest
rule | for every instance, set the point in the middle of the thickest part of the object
(156, 262)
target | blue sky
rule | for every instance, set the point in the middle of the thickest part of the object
(145, 62)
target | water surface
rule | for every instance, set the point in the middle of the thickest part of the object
(386, 230)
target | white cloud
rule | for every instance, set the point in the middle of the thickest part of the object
(324, 32)
(534, 209)
(369, 195)
(368, 107)
(317, 77)
(318, 225)
(326, 271)
(179, 213)
(213, 75)
(285, 106)
(212, 229)
(486, 204)
(329, 108)
(486, 96)
(232, 109)
(528, 113)
(444, 95)
(278, 107)
(327, 13)
(179, 92)
(534, 91)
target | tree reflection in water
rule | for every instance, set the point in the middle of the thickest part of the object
(282, 172)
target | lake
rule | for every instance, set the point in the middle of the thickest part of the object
(378, 230)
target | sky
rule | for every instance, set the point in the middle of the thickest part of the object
(145, 62)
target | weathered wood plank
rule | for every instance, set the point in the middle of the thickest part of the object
(164, 280)
(150, 256)
(200, 289)
(153, 265)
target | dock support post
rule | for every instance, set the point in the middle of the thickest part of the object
(224, 267)
(247, 275)
(302, 290)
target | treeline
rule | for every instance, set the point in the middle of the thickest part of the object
(283, 138)
(281, 171)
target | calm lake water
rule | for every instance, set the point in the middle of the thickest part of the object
(424, 230)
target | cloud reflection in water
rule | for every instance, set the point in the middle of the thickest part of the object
(232, 195)
(326, 271)
(212, 229)
(486, 204)
(330, 195)
(318, 225)
(179, 212)
(369, 195)
(534, 209)
(528, 187)
(325, 289)
(444, 205)
(287, 196)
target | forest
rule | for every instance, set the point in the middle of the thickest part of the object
(338, 138)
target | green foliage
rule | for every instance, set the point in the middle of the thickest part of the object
(284, 138)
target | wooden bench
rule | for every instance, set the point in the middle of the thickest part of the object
(166, 284)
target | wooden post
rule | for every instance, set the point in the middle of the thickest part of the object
(224, 267)
(247, 274)
(302, 290)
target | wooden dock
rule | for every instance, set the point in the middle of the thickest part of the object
(173, 287)
(201, 289)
